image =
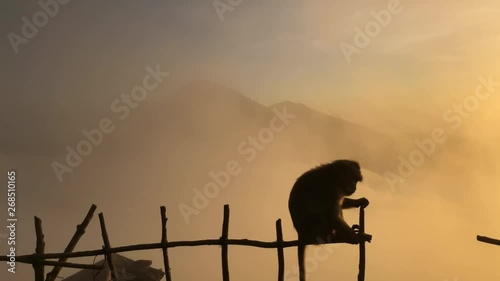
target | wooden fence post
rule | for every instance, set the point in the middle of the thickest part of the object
(281, 257)
(80, 230)
(166, 263)
(38, 266)
(223, 241)
(362, 250)
(107, 246)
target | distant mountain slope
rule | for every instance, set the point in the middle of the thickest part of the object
(215, 119)
(338, 138)
(200, 128)
(203, 122)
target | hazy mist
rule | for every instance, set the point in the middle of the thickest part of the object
(237, 78)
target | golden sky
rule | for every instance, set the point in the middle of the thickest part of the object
(406, 82)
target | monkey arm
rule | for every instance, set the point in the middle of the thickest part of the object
(354, 203)
(349, 203)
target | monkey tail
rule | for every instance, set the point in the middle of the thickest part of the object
(301, 251)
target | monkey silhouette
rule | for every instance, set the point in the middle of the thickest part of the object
(316, 202)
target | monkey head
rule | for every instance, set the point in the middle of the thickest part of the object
(347, 174)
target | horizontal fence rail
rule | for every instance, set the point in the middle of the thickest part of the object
(488, 240)
(139, 247)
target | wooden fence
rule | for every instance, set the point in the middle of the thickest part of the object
(488, 240)
(40, 259)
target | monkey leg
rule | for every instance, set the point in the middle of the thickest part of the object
(344, 233)
(366, 237)
(363, 236)
(315, 230)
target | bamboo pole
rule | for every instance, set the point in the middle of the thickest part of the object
(40, 248)
(362, 250)
(488, 240)
(163, 211)
(107, 247)
(80, 230)
(223, 241)
(281, 257)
